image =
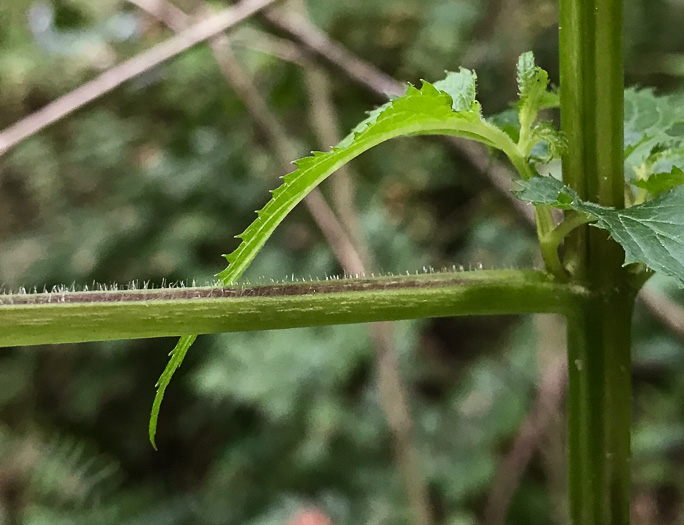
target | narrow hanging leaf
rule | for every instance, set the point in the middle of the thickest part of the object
(177, 356)
(651, 233)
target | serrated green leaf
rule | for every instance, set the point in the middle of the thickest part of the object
(426, 111)
(546, 191)
(661, 182)
(533, 82)
(448, 107)
(651, 233)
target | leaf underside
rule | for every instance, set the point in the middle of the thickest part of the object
(651, 233)
(654, 141)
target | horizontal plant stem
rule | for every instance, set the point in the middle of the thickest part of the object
(71, 317)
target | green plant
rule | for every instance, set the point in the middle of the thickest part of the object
(588, 284)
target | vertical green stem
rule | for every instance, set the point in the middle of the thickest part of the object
(599, 369)
(592, 89)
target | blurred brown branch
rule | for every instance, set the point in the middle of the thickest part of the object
(393, 392)
(117, 75)
(546, 407)
(664, 309)
(301, 29)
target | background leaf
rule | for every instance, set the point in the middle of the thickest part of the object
(651, 128)
(661, 182)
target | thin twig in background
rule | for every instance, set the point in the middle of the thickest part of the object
(544, 410)
(324, 121)
(296, 25)
(167, 13)
(393, 392)
(269, 44)
(665, 310)
(127, 70)
(176, 19)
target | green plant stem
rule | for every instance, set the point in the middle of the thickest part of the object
(572, 220)
(550, 237)
(599, 339)
(599, 374)
(96, 316)
(545, 227)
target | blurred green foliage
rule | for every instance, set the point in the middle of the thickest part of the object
(153, 181)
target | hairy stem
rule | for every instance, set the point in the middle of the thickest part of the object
(69, 317)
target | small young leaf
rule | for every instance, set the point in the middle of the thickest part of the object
(662, 182)
(651, 233)
(533, 83)
(552, 142)
(546, 191)
(461, 87)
